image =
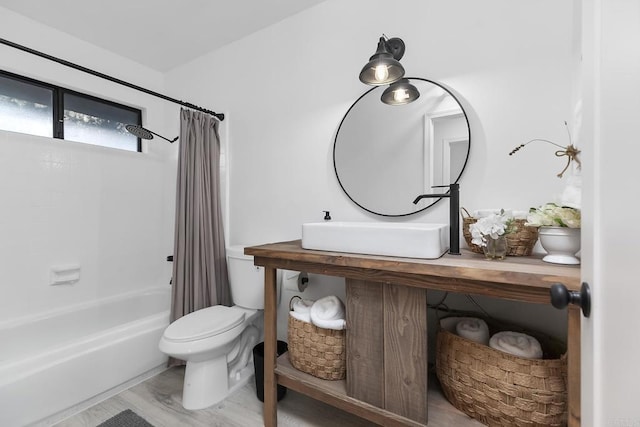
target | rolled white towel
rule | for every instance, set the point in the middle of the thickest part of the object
(300, 316)
(336, 324)
(516, 343)
(302, 305)
(473, 329)
(326, 310)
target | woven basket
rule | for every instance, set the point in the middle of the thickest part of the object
(497, 388)
(520, 241)
(317, 351)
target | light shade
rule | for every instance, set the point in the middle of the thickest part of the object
(383, 67)
(400, 93)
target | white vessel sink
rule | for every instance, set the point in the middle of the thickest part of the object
(412, 240)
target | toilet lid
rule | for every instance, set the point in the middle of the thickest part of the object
(204, 323)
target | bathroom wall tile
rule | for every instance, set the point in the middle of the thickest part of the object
(68, 203)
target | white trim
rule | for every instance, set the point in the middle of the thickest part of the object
(446, 156)
(429, 143)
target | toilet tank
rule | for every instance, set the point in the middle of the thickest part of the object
(245, 279)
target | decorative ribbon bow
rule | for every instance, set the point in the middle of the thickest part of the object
(572, 154)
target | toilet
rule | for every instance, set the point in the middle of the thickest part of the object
(217, 342)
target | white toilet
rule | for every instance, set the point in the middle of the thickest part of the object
(217, 342)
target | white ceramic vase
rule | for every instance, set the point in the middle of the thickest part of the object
(561, 244)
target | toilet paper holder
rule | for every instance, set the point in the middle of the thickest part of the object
(303, 281)
(295, 280)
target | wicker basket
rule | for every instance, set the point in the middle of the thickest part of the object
(520, 241)
(500, 389)
(317, 351)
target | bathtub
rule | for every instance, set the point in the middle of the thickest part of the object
(51, 364)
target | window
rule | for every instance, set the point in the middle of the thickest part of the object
(26, 107)
(37, 108)
(97, 122)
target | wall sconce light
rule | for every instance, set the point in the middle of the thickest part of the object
(400, 92)
(384, 66)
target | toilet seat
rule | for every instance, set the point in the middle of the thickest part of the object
(204, 323)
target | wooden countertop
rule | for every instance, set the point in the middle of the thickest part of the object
(516, 278)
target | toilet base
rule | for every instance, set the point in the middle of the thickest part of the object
(205, 383)
(241, 379)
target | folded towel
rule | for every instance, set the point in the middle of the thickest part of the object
(518, 344)
(328, 313)
(335, 324)
(473, 329)
(302, 305)
(328, 308)
(300, 316)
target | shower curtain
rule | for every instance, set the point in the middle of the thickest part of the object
(199, 261)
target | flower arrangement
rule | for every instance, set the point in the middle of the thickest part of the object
(492, 226)
(552, 215)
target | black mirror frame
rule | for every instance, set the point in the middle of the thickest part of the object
(466, 118)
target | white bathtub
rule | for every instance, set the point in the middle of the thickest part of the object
(51, 364)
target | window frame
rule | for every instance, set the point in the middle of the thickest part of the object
(58, 93)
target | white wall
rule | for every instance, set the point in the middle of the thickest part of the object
(286, 88)
(610, 103)
(108, 210)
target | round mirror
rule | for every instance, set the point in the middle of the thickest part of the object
(386, 155)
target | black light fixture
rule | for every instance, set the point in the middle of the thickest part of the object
(384, 66)
(400, 93)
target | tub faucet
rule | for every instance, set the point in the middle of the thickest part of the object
(454, 219)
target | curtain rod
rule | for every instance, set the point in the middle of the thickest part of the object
(219, 116)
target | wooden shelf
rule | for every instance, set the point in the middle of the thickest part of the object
(525, 279)
(334, 393)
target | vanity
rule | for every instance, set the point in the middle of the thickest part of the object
(387, 326)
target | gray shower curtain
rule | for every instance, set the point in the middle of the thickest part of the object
(199, 257)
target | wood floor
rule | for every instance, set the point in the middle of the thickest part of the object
(158, 400)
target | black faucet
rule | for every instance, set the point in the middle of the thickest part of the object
(454, 219)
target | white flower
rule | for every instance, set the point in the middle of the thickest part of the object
(551, 214)
(494, 226)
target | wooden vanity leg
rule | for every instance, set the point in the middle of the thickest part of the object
(405, 351)
(270, 408)
(573, 375)
(365, 341)
(387, 347)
